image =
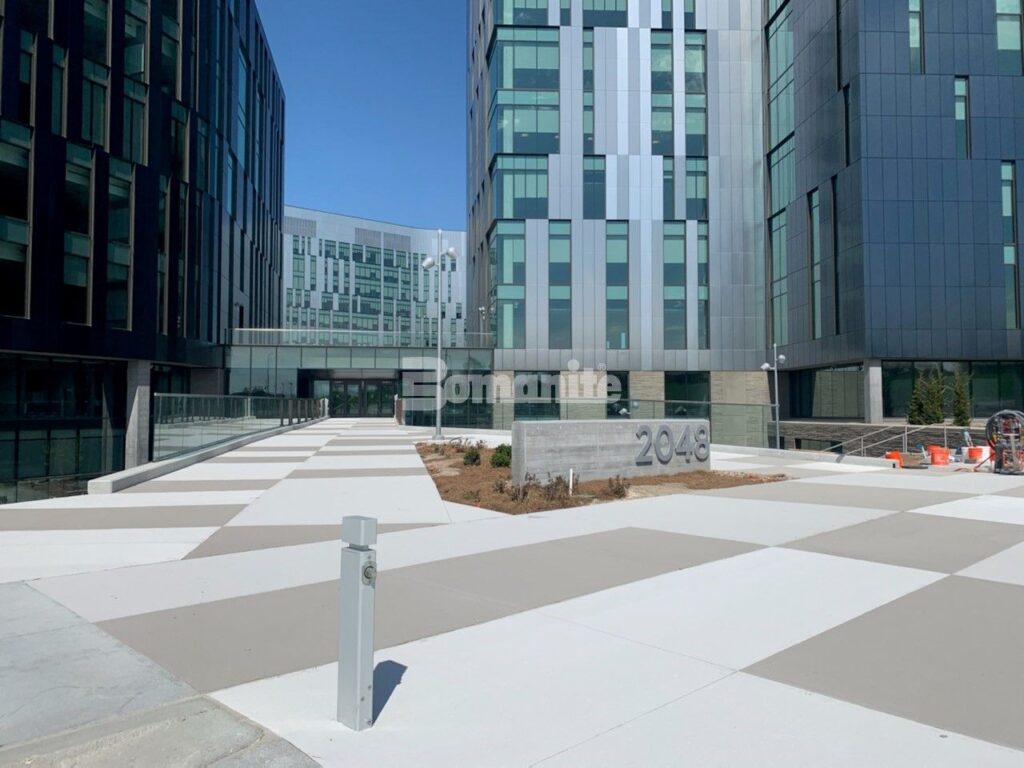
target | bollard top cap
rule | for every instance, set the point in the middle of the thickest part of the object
(359, 531)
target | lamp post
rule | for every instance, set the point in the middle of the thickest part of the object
(774, 368)
(430, 263)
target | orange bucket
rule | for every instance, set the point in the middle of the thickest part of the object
(974, 454)
(895, 456)
(940, 456)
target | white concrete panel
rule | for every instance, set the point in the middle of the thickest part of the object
(740, 610)
(746, 721)
(1007, 566)
(933, 480)
(38, 554)
(509, 692)
(245, 471)
(995, 509)
(367, 461)
(115, 500)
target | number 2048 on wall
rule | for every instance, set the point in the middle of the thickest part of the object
(693, 444)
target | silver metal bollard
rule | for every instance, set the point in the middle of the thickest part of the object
(355, 639)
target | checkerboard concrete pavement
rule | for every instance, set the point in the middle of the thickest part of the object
(847, 617)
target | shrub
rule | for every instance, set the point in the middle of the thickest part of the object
(501, 486)
(617, 487)
(961, 400)
(471, 457)
(502, 456)
(556, 490)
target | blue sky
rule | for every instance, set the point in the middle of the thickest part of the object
(375, 106)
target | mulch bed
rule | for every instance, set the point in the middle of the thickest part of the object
(482, 485)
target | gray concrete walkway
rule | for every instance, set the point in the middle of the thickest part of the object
(851, 616)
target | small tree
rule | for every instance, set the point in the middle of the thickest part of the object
(961, 400)
(915, 409)
(935, 399)
(927, 401)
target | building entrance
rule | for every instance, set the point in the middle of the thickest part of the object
(365, 398)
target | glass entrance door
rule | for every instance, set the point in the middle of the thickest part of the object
(369, 399)
(345, 399)
(380, 399)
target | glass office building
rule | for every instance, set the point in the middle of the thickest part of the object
(616, 193)
(358, 309)
(670, 187)
(141, 155)
(894, 157)
(365, 280)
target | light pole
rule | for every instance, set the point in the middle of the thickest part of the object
(774, 367)
(430, 263)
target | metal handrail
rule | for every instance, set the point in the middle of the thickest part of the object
(907, 432)
(862, 438)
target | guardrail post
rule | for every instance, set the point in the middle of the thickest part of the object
(356, 616)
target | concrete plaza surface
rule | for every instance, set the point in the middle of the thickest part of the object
(851, 616)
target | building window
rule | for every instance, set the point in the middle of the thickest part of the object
(134, 135)
(508, 284)
(94, 45)
(15, 148)
(560, 285)
(94, 103)
(777, 246)
(917, 36)
(661, 62)
(170, 47)
(814, 250)
(837, 323)
(1008, 36)
(525, 122)
(77, 231)
(136, 33)
(119, 245)
(847, 138)
(839, 42)
(662, 124)
(696, 187)
(690, 14)
(520, 186)
(178, 137)
(962, 114)
(617, 284)
(57, 87)
(1011, 261)
(605, 13)
(525, 59)
(703, 286)
(588, 91)
(668, 170)
(593, 188)
(696, 124)
(782, 175)
(26, 58)
(780, 79)
(163, 210)
(566, 19)
(674, 282)
(662, 119)
(525, 12)
(241, 143)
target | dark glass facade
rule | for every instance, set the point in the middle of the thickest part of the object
(141, 155)
(894, 235)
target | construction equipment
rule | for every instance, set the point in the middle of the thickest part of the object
(1005, 433)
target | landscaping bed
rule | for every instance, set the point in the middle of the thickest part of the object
(463, 473)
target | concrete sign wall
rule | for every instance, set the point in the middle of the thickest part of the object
(602, 449)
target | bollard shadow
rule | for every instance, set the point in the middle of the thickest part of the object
(386, 677)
